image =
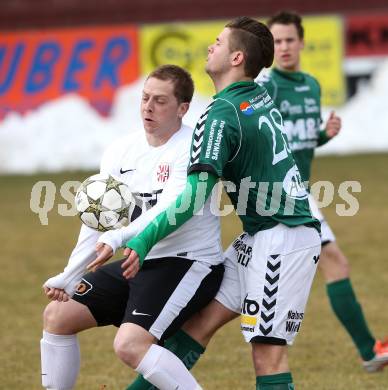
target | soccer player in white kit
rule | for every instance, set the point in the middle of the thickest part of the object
(179, 276)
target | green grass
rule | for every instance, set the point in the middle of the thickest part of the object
(323, 356)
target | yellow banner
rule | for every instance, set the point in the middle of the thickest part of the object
(323, 55)
(180, 44)
(186, 44)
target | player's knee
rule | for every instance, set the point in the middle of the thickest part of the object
(128, 349)
(261, 363)
(266, 367)
(334, 262)
(65, 318)
(269, 359)
(131, 343)
(53, 319)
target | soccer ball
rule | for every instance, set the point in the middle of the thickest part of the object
(104, 202)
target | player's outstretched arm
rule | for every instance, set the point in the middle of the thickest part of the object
(198, 188)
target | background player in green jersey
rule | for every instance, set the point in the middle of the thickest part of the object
(298, 96)
(270, 267)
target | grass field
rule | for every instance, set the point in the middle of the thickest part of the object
(323, 356)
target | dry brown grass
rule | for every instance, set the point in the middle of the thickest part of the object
(323, 356)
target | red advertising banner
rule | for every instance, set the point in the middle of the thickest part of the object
(367, 35)
(36, 66)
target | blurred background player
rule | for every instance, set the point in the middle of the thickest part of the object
(180, 276)
(298, 96)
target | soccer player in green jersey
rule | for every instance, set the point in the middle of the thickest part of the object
(271, 265)
(298, 95)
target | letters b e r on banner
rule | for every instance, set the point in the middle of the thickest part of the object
(37, 66)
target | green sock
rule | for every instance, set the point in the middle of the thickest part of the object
(140, 384)
(345, 306)
(183, 346)
(281, 381)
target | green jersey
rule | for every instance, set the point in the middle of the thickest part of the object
(298, 97)
(239, 138)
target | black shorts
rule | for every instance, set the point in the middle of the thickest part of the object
(160, 298)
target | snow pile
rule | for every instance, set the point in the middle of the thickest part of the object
(67, 133)
(364, 119)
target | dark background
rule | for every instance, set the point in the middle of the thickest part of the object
(42, 13)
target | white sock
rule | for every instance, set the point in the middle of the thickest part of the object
(165, 371)
(60, 359)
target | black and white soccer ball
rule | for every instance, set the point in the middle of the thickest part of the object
(104, 203)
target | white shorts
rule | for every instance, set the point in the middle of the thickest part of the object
(327, 234)
(267, 280)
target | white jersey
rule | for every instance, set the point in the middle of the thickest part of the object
(158, 175)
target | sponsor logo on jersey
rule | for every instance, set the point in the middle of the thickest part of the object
(295, 315)
(311, 106)
(302, 133)
(248, 319)
(149, 199)
(250, 306)
(293, 185)
(245, 328)
(244, 252)
(296, 318)
(83, 288)
(163, 172)
(302, 88)
(287, 108)
(246, 108)
(213, 146)
(310, 101)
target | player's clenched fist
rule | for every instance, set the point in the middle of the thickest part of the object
(333, 125)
